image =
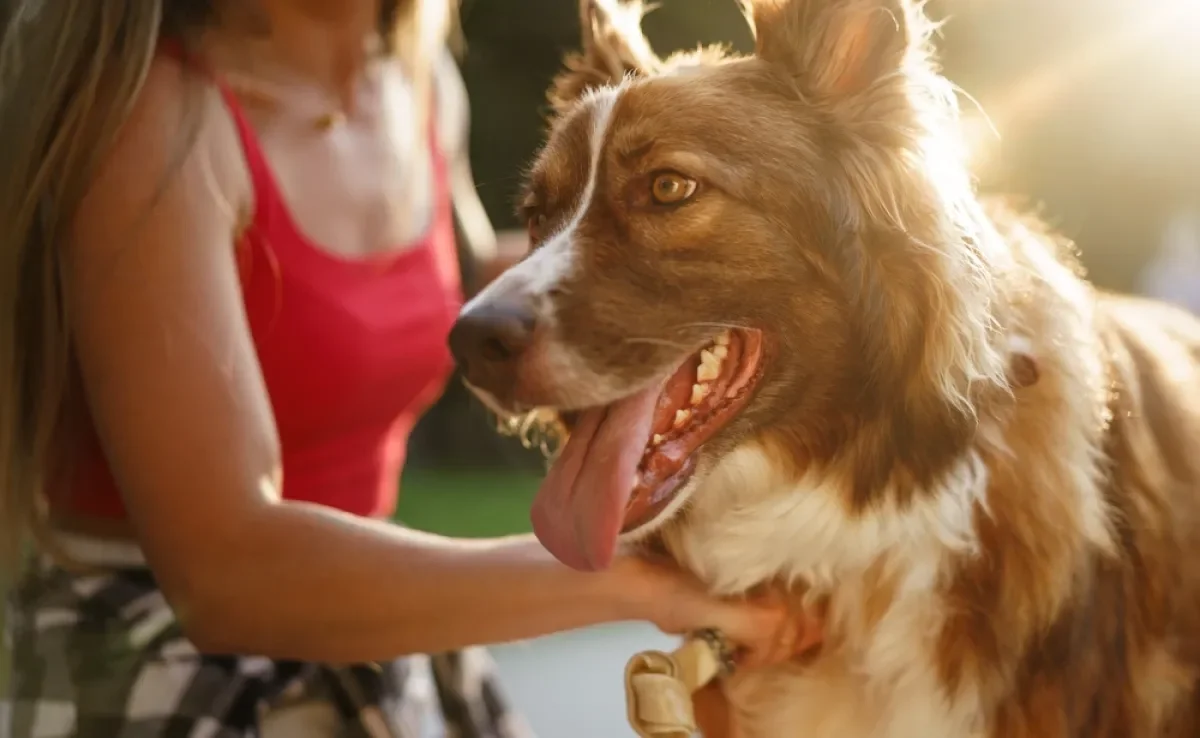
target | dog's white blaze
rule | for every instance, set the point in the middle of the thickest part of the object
(545, 270)
(561, 258)
(557, 258)
(555, 261)
(749, 524)
(548, 270)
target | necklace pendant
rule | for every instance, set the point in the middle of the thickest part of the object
(330, 120)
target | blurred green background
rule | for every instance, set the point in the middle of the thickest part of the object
(469, 503)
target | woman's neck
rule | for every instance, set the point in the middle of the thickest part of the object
(328, 42)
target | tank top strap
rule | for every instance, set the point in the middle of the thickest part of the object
(252, 152)
(256, 159)
(262, 179)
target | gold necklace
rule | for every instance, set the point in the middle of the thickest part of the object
(248, 92)
(374, 48)
(253, 90)
(329, 121)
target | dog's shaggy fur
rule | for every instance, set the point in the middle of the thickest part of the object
(982, 472)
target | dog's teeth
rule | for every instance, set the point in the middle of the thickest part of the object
(710, 367)
(720, 351)
(682, 417)
(723, 339)
(699, 392)
(656, 439)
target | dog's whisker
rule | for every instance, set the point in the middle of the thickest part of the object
(658, 342)
(711, 324)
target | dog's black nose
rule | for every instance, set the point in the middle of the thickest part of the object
(488, 339)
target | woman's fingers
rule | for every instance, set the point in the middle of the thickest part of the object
(767, 632)
(765, 629)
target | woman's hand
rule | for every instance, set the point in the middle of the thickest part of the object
(764, 629)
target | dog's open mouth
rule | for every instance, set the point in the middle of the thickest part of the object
(625, 462)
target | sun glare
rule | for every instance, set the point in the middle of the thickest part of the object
(1183, 34)
(1162, 35)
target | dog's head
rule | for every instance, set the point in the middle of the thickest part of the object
(781, 246)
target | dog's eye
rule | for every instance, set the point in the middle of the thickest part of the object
(671, 188)
(534, 224)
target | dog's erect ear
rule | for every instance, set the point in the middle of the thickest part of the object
(833, 48)
(613, 47)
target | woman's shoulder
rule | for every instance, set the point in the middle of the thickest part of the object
(172, 176)
(452, 107)
(175, 126)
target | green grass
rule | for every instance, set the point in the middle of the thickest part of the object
(471, 504)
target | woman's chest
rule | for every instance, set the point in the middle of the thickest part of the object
(353, 193)
(359, 185)
(346, 344)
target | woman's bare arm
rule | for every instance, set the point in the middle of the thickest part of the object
(180, 406)
(453, 117)
(492, 252)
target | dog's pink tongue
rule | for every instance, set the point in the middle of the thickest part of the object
(580, 507)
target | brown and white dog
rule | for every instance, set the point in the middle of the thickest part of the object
(797, 349)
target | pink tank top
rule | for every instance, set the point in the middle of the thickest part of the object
(353, 351)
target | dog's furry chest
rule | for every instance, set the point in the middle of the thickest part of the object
(876, 582)
(876, 676)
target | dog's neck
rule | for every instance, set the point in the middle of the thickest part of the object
(762, 516)
(752, 523)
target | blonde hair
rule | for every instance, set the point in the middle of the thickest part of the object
(70, 71)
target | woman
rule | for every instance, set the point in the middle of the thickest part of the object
(227, 277)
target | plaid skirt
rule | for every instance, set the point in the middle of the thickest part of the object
(101, 655)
